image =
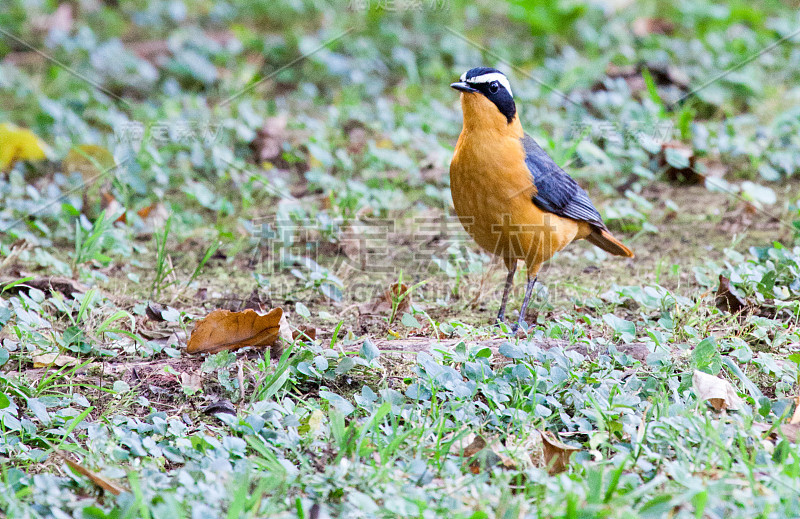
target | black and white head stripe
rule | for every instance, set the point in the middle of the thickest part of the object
(486, 77)
(491, 83)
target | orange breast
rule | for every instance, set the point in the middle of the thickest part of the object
(492, 189)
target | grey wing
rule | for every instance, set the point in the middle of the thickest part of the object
(557, 192)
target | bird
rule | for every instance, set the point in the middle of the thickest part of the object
(509, 194)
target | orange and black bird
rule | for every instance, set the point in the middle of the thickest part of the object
(509, 195)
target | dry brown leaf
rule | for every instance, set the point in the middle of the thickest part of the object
(192, 381)
(220, 406)
(719, 393)
(153, 311)
(225, 330)
(688, 175)
(285, 329)
(645, 26)
(60, 20)
(556, 453)
(726, 300)
(383, 304)
(101, 481)
(523, 453)
(791, 431)
(468, 446)
(53, 359)
(305, 332)
(154, 216)
(66, 286)
(796, 416)
(474, 444)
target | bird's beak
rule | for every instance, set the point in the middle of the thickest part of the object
(462, 86)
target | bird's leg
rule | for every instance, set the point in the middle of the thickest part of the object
(526, 300)
(509, 282)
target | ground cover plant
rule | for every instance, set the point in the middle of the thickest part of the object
(232, 283)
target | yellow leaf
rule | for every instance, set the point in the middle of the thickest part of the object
(92, 162)
(315, 422)
(89, 160)
(19, 144)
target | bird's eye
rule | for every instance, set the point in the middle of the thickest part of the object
(494, 87)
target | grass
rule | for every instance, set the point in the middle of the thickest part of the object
(249, 178)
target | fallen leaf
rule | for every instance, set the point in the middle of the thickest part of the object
(678, 161)
(101, 481)
(220, 406)
(255, 301)
(556, 453)
(305, 332)
(66, 286)
(285, 329)
(791, 431)
(225, 330)
(726, 299)
(384, 303)
(153, 216)
(524, 453)
(192, 381)
(153, 311)
(19, 144)
(796, 416)
(313, 425)
(719, 393)
(93, 162)
(482, 454)
(60, 20)
(645, 26)
(53, 359)
(474, 444)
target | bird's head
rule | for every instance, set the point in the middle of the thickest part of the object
(486, 97)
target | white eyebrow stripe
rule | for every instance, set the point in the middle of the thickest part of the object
(488, 78)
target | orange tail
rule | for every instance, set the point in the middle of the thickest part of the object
(603, 239)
